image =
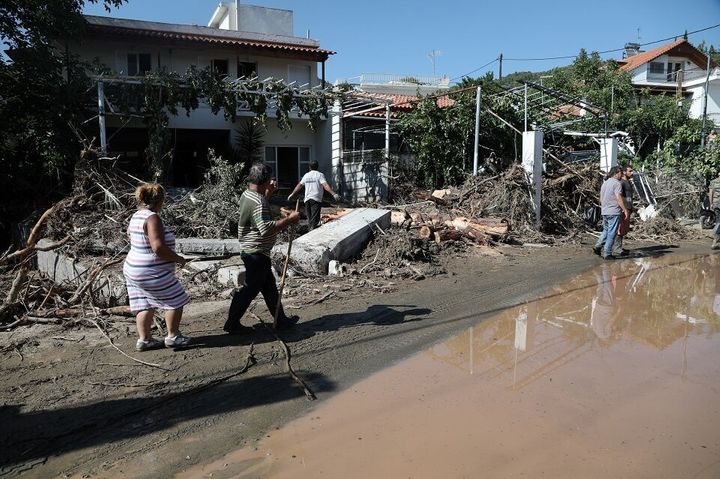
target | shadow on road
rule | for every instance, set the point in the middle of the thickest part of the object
(29, 436)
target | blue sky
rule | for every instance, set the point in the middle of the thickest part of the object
(397, 36)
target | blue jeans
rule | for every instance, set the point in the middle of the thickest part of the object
(611, 223)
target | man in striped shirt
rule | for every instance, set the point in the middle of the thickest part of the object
(257, 232)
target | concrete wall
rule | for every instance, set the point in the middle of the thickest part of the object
(365, 181)
(114, 55)
(109, 285)
(713, 100)
(252, 18)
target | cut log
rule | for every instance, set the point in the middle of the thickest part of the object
(426, 232)
(447, 234)
(425, 196)
(491, 227)
(330, 214)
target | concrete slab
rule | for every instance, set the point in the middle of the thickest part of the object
(63, 269)
(215, 247)
(338, 240)
(233, 275)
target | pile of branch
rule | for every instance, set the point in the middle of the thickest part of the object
(440, 227)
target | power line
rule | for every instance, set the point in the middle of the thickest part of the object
(565, 57)
(477, 69)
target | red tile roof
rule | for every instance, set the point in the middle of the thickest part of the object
(400, 103)
(315, 53)
(679, 47)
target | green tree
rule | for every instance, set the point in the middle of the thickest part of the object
(42, 92)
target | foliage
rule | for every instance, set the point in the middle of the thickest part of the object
(249, 142)
(162, 93)
(210, 211)
(442, 139)
(42, 95)
(658, 125)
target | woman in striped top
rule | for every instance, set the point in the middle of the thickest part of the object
(149, 270)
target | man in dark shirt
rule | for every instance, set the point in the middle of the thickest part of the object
(627, 194)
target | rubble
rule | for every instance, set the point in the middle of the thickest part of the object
(422, 228)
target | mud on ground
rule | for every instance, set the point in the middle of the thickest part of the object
(74, 406)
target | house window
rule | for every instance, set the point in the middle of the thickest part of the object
(138, 64)
(289, 163)
(657, 68)
(219, 67)
(672, 69)
(246, 69)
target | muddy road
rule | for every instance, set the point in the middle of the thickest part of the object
(73, 406)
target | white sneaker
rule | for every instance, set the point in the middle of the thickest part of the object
(150, 343)
(177, 341)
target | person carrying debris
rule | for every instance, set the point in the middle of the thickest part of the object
(612, 208)
(149, 271)
(627, 194)
(714, 195)
(257, 232)
(314, 183)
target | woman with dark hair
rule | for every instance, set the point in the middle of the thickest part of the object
(257, 232)
(149, 271)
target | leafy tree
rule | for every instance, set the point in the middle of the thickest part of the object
(442, 139)
(41, 94)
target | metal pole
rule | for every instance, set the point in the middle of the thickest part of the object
(526, 113)
(707, 80)
(387, 130)
(101, 117)
(478, 98)
(500, 70)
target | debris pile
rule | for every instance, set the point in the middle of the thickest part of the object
(427, 228)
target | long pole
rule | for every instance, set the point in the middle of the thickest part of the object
(526, 112)
(101, 117)
(284, 273)
(500, 69)
(478, 98)
(707, 81)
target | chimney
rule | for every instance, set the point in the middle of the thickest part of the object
(631, 49)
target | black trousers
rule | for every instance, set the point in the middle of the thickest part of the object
(312, 210)
(258, 279)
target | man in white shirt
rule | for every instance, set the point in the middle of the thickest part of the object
(315, 184)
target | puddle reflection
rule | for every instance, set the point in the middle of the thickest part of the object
(613, 374)
(651, 302)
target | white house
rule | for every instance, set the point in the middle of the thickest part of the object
(239, 40)
(677, 67)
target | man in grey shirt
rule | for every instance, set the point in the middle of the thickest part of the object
(612, 209)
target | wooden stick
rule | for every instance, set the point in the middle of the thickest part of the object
(284, 273)
(306, 389)
(123, 352)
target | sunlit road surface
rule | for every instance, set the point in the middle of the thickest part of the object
(613, 375)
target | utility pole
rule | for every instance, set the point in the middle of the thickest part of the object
(433, 55)
(705, 95)
(478, 98)
(500, 72)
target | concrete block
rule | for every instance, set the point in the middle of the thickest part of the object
(232, 275)
(215, 247)
(63, 269)
(338, 240)
(200, 265)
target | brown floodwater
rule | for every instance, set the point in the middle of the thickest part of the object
(614, 374)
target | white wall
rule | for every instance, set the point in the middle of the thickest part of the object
(114, 55)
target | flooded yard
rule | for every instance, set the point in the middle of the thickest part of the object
(614, 374)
